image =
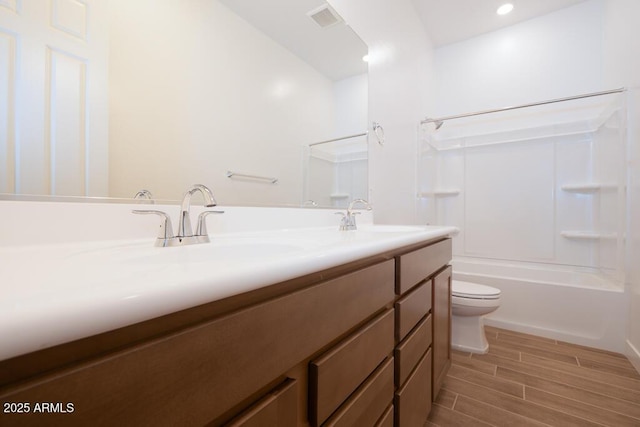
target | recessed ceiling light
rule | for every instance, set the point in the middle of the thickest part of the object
(504, 9)
(365, 58)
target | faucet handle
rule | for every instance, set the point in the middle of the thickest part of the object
(344, 216)
(166, 230)
(201, 230)
(344, 221)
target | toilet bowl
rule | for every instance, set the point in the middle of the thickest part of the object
(469, 303)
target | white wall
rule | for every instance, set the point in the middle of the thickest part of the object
(195, 91)
(622, 68)
(400, 94)
(556, 55)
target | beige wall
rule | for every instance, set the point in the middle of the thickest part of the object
(195, 91)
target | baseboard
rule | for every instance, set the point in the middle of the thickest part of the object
(618, 347)
(634, 355)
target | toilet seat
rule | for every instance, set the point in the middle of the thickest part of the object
(461, 290)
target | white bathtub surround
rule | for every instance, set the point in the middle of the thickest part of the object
(537, 185)
(537, 191)
(570, 304)
(71, 270)
(540, 201)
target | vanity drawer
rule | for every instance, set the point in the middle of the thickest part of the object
(367, 404)
(414, 267)
(336, 374)
(411, 308)
(387, 418)
(278, 408)
(413, 400)
(411, 350)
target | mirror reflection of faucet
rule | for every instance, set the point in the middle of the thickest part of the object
(185, 234)
(348, 221)
(144, 196)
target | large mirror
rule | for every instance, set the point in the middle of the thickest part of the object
(103, 99)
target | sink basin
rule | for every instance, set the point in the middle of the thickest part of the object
(217, 251)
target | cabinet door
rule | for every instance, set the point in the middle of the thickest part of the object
(441, 328)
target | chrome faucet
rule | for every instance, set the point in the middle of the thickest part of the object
(348, 221)
(184, 226)
(144, 195)
(185, 234)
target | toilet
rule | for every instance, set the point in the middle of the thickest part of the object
(469, 303)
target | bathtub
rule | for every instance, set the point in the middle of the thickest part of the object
(571, 304)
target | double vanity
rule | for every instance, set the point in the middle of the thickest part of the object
(276, 327)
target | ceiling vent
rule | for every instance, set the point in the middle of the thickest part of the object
(325, 16)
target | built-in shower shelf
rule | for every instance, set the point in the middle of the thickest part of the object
(340, 195)
(587, 235)
(588, 188)
(439, 193)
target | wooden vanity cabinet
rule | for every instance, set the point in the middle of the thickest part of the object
(211, 372)
(278, 408)
(387, 418)
(368, 405)
(340, 371)
(441, 328)
(420, 264)
(413, 398)
(356, 345)
(423, 330)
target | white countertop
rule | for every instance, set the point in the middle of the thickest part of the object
(52, 294)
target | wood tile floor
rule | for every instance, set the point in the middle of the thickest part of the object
(526, 380)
